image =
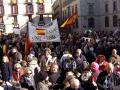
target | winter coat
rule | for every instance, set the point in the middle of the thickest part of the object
(81, 63)
(90, 56)
(114, 59)
(21, 73)
(106, 82)
(42, 86)
(6, 71)
(27, 82)
(44, 62)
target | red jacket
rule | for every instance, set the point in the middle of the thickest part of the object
(15, 76)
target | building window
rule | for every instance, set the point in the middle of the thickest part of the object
(115, 19)
(76, 23)
(29, 9)
(90, 8)
(72, 9)
(14, 9)
(76, 9)
(114, 6)
(106, 21)
(1, 10)
(106, 7)
(69, 11)
(91, 23)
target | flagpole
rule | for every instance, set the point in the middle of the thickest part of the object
(27, 42)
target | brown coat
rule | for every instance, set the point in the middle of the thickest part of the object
(42, 86)
(114, 59)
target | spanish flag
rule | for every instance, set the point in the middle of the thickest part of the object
(70, 21)
(40, 31)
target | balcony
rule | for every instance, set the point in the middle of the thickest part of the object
(14, 10)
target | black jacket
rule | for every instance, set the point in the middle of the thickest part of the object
(115, 80)
(6, 71)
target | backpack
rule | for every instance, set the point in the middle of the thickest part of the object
(69, 64)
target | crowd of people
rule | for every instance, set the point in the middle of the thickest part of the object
(81, 61)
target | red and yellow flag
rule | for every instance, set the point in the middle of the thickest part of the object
(27, 45)
(70, 21)
(40, 31)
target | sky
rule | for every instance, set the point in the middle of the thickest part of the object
(21, 10)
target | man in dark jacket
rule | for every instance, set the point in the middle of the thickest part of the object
(108, 80)
(90, 55)
(6, 69)
(80, 60)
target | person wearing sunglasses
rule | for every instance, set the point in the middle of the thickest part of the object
(27, 80)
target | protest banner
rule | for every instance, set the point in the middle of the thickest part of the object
(48, 33)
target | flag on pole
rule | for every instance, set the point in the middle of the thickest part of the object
(27, 45)
(70, 21)
(27, 42)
